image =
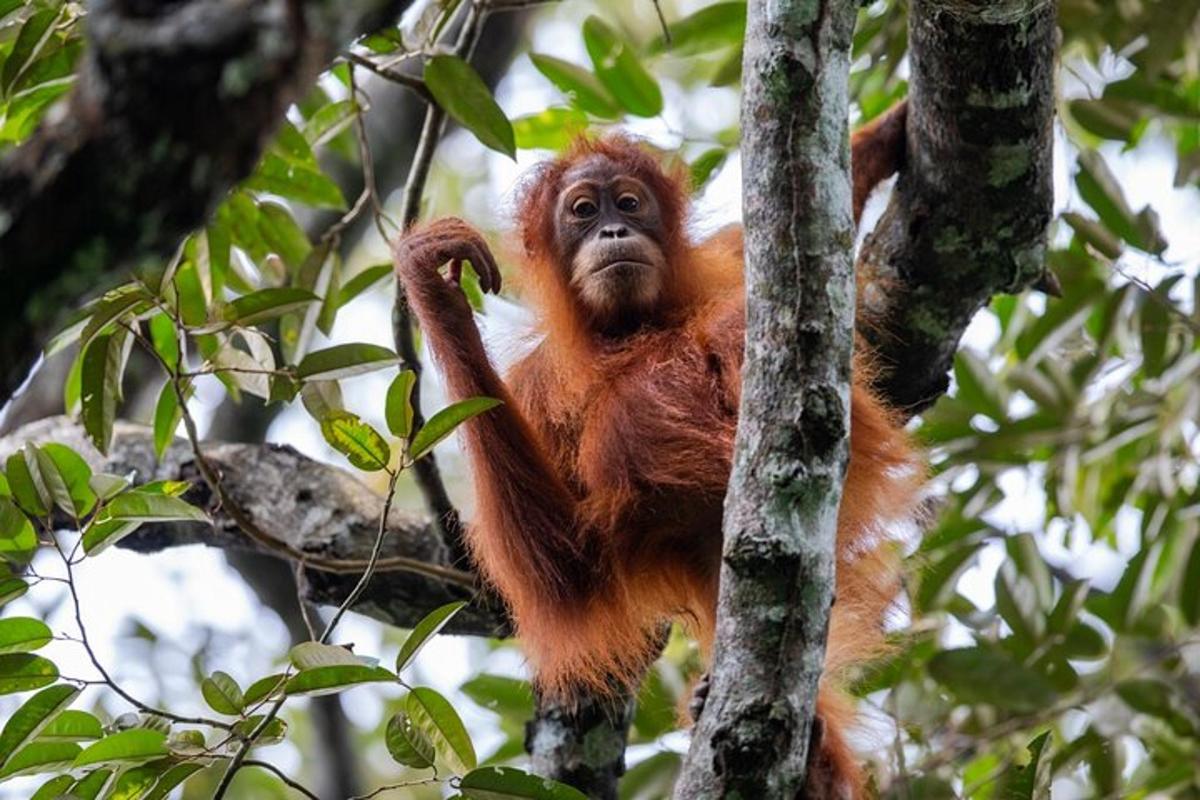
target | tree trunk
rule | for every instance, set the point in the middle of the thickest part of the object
(777, 574)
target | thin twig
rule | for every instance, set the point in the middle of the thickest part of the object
(394, 75)
(107, 679)
(662, 21)
(361, 586)
(392, 786)
(428, 477)
(278, 773)
(239, 757)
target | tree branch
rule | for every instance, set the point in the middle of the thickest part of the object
(969, 215)
(312, 507)
(777, 571)
(173, 105)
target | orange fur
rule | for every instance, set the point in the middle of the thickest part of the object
(600, 482)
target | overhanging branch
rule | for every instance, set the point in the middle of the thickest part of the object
(969, 215)
(173, 105)
(310, 506)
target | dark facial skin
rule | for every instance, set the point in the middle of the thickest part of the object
(609, 233)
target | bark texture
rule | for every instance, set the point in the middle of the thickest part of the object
(969, 214)
(313, 507)
(173, 105)
(582, 745)
(792, 441)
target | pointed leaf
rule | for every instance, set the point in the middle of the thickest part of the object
(310, 655)
(463, 95)
(584, 88)
(443, 423)
(329, 680)
(35, 714)
(22, 634)
(133, 746)
(434, 715)
(408, 744)
(72, 725)
(344, 360)
(38, 757)
(356, 440)
(265, 304)
(425, 630)
(21, 672)
(222, 694)
(398, 409)
(619, 70)
(142, 506)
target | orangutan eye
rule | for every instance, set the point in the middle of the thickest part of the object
(628, 203)
(584, 208)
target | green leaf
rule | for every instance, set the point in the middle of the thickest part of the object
(705, 165)
(74, 475)
(321, 398)
(711, 28)
(107, 486)
(72, 725)
(34, 714)
(1101, 190)
(120, 302)
(618, 68)
(1029, 781)
(425, 630)
(462, 94)
(584, 88)
(293, 180)
(978, 386)
(265, 304)
(171, 779)
(132, 784)
(550, 129)
(142, 506)
(508, 783)
(22, 634)
(91, 785)
(398, 410)
(21, 672)
(988, 675)
(365, 448)
(167, 416)
(100, 384)
(54, 789)
(444, 422)
(345, 360)
(12, 588)
(1189, 590)
(263, 688)
(18, 540)
(329, 680)
(101, 534)
(25, 483)
(39, 757)
(222, 694)
(328, 121)
(310, 655)
(434, 715)
(32, 37)
(133, 746)
(407, 743)
(361, 282)
(282, 234)
(273, 733)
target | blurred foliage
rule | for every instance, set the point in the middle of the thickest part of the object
(1072, 428)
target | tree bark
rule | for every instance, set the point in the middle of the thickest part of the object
(173, 105)
(969, 214)
(777, 573)
(583, 744)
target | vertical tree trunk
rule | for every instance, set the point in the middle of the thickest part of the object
(777, 574)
